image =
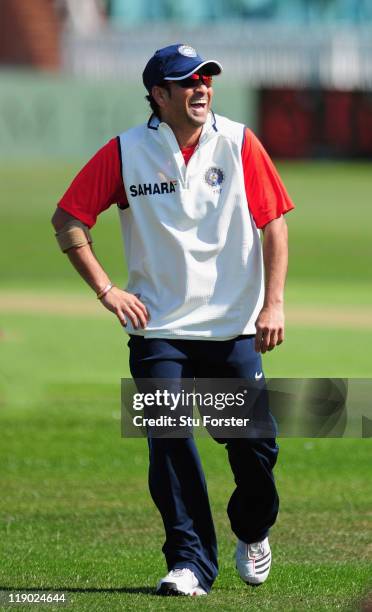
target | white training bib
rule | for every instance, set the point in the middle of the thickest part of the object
(192, 248)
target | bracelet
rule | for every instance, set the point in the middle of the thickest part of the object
(104, 291)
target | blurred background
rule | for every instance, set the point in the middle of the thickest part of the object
(299, 73)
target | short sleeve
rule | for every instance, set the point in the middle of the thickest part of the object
(267, 197)
(98, 185)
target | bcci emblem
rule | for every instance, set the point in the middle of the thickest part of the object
(187, 51)
(214, 177)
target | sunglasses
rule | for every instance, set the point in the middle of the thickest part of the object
(194, 80)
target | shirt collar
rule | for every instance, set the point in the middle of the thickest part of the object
(211, 124)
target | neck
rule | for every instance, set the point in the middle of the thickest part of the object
(187, 138)
(186, 135)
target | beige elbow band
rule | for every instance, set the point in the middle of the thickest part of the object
(73, 234)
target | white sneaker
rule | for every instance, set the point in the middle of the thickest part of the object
(180, 582)
(253, 561)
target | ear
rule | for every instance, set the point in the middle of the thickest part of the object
(160, 95)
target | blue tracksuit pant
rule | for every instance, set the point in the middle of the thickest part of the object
(176, 478)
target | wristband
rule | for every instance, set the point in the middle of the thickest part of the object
(104, 291)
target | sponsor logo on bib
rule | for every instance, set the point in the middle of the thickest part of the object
(152, 188)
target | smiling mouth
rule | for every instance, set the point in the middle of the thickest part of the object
(198, 104)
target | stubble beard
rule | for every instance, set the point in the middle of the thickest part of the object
(198, 121)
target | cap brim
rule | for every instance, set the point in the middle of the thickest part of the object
(214, 68)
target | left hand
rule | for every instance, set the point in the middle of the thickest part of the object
(270, 328)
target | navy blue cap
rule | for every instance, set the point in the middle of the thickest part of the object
(174, 63)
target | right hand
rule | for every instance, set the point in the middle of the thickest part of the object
(126, 305)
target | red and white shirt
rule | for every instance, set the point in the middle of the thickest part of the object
(190, 221)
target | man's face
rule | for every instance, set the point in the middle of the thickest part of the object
(187, 106)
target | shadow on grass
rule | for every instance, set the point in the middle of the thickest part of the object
(140, 589)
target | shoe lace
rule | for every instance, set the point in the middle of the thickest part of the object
(256, 548)
(181, 571)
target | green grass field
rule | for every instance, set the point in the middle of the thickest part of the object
(75, 513)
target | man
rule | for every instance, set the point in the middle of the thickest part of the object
(193, 190)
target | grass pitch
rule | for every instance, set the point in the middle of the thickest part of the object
(75, 513)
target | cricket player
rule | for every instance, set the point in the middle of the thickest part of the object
(204, 296)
